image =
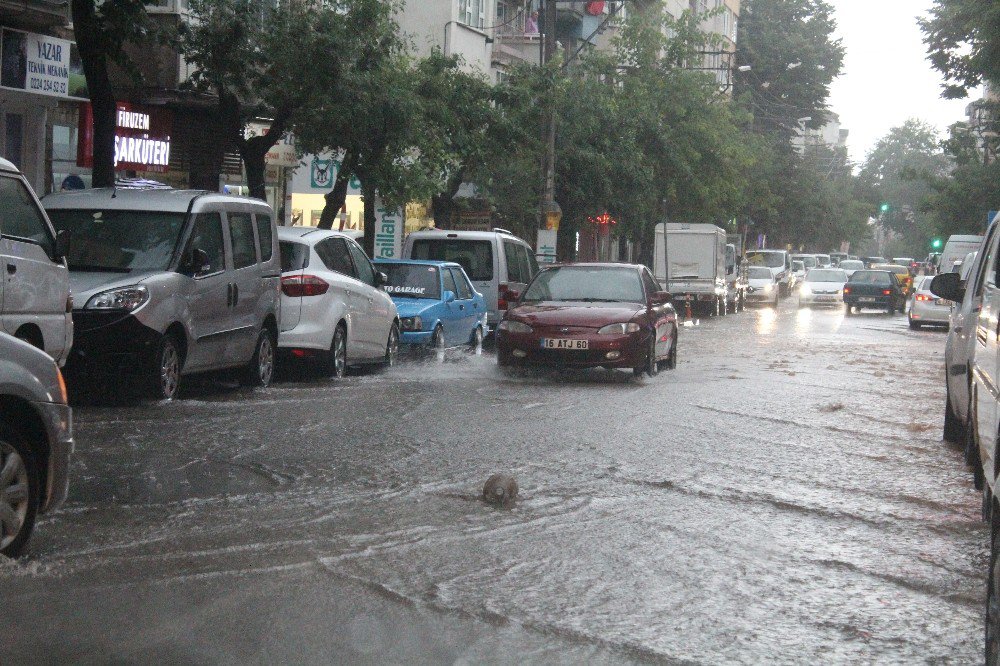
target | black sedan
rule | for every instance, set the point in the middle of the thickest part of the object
(876, 290)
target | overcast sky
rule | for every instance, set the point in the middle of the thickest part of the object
(887, 78)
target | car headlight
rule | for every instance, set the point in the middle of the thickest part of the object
(129, 299)
(619, 329)
(806, 290)
(411, 323)
(512, 326)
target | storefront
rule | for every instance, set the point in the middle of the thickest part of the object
(310, 181)
(142, 142)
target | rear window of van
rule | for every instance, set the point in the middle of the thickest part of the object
(475, 256)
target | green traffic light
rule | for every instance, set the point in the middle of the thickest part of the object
(936, 244)
(884, 208)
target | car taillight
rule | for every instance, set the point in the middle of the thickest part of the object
(303, 285)
(887, 292)
(847, 290)
(924, 297)
(506, 295)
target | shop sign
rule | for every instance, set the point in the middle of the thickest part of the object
(142, 138)
(546, 248)
(322, 173)
(388, 232)
(35, 63)
(281, 154)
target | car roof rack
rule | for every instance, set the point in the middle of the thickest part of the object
(503, 231)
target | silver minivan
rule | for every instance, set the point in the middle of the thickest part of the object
(499, 263)
(34, 284)
(169, 283)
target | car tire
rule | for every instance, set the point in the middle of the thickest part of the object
(164, 380)
(890, 311)
(992, 624)
(437, 339)
(915, 325)
(335, 362)
(19, 491)
(971, 448)
(953, 429)
(391, 347)
(670, 363)
(650, 367)
(476, 344)
(260, 371)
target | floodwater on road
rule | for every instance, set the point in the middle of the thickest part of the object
(784, 496)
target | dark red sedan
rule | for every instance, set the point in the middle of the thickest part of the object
(591, 315)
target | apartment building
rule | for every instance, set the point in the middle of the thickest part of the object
(456, 27)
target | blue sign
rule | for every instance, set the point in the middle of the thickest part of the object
(992, 216)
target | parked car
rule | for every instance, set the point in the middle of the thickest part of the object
(591, 315)
(851, 265)
(169, 283)
(333, 307)
(764, 287)
(984, 413)
(779, 262)
(823, 286)
(35, 301)
(902, 274)
(499, 263)
(36, 441)
(874, 290)
(926, 309)
(438, 306)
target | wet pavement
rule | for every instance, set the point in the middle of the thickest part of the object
(784, 496)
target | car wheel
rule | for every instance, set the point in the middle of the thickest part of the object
(670, 363)
(724, 306)
(165, 374)
(953, 430)
(260, 370)
(19, 492)
(915, 325)
(392, 347)
(335, 363)
(650, 367)
(437, 339)
(890, 311)
(477, 341)
(993, 593)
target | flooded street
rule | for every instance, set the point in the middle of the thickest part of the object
(784, 496)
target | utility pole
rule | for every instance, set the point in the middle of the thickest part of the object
(549, 212)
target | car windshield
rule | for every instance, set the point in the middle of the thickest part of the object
(898, 270)
(851, 265)
(765, 258)
(924, 283)
(826, 275)
(808, 262)
(587, 284)
(872, 277)
(797, 266)
(412, 280)
(475, 256)
(759, 273)
(120, 241)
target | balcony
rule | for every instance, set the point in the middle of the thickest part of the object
(34, 14)
(517, 39)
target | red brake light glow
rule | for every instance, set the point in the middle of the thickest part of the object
(303, 285)
(505, 294)
(924, 297)
(847, 290)
(887, 292)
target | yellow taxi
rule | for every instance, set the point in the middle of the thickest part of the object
(902, 274)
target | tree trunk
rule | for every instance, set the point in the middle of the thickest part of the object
(253, 153)
(337, 197)
(368, 195)
(102, 97)
(443, 204)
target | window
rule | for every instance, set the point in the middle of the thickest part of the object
(475, 256)
(294, 256)
(265, 234)
(464, 291)
(650, 283)
(335, 256)
(532, 263)
(361, 264)
(449, 283)
(242, 240)
(518, 266)
(206, 235)
(472, 13)
(985, 263)
(20, 216)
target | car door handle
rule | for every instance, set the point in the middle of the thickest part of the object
(229, 295)
(236, 294)
(11, 269)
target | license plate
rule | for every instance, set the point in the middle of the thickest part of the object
(826, 298)
(867, 299)
(559, 343)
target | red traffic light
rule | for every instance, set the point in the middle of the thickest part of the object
(595, 8)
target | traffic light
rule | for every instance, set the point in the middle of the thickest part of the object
(936, 244)
(884, 208)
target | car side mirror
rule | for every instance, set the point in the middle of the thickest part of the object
(449, 296)
(381, 279)
(64, 239)
(948, 286)
(661, 297)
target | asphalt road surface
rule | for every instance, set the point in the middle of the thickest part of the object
(784, 496)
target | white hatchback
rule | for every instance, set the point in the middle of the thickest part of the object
(823, 286)
(333, 307)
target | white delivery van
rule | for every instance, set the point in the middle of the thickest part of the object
(955, 250)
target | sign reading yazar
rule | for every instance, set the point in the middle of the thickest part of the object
(388, 232)
(36, 63)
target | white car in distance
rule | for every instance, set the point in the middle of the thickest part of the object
(333, 307)
(823, 286)
(851, 265)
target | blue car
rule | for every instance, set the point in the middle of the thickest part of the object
(438, 306)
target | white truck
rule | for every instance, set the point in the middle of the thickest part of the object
(689, 261)
(955, 250)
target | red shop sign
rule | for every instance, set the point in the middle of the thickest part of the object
(142, 137)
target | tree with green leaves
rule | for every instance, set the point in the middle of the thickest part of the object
(792, 56)
(104, 29)
(963, 43)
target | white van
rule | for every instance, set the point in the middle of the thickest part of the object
(35, 302)
(499, 263)
(170, 283)
(780, 264)
(955, 250)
